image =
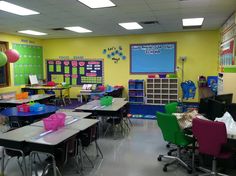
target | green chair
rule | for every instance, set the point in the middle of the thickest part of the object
(172, 133)
(171, 108)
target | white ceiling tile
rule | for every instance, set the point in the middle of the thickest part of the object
(61, 13)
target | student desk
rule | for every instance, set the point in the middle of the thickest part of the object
(48, 144)
(187, 125)
(70, 118)
(59, 88)
(27, 117)
(74, 124)
(15, 140)
(70, 112)
(14, 102)
(94, 106)
(87, 93)
(114, 110)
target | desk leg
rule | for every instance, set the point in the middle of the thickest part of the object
(2, 162)
(54, 165)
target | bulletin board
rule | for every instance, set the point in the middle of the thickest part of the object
(30, 63)
(75, 72)
(153, 58)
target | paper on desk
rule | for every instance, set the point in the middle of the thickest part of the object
(229, 123)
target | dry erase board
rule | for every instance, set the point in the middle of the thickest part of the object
(75, 72)
(30, 62)
(153, 58)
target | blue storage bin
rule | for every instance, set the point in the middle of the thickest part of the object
(37, 107)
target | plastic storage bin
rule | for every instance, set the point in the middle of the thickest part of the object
(106, 101)
(23, 108)
(22, 95)
(54, 121)
(37, 107)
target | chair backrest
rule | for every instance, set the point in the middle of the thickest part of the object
(171, 108)
(170, 129)
(210, 136)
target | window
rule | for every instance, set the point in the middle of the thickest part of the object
(4, 70)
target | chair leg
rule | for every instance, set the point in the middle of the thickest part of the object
(130, 122)
(105, 133)
(98, 149)
(211, 172)
(86, 155)
(175, 159)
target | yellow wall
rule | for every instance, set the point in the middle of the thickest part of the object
(201, 49)
(21, 40)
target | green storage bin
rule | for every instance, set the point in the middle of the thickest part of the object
(106, 101)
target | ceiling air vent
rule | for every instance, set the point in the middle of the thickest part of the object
(58, 29)
(192, 27)
(149, 22)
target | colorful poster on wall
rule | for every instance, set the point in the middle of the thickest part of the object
(30, 63)
(77, 72)
(227, 53)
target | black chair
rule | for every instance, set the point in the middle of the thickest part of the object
(15, 153)
(86, 137)
(117, 93)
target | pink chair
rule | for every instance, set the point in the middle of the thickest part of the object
(211, 136)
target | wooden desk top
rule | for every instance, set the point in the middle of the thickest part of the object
(21, 134)
(52, 138)
(82, 124)
(27, 100)
(69, 118)
(117, 104)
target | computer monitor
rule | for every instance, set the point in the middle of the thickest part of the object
(33, 79)
(203, 106)
(215, 109)
(225, 98)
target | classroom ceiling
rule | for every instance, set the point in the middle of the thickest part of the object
(103, 22)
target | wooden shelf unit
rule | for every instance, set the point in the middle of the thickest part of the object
(161, 91)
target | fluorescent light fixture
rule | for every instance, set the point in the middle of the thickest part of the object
(94, 4)
(192, 21)
(131, 25)
(31, 32)
(78, 29)
(15, 9)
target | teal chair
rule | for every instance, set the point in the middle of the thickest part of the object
(172, 133)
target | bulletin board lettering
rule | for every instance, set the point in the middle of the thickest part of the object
(153, 58)
(75, 72)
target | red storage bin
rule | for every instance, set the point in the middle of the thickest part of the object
(23, 108)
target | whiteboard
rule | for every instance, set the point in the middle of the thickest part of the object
(153, 58)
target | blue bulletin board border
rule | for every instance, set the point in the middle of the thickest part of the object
(173, 70)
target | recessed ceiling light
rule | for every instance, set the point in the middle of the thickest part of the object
(131, 25)
(94, 4)
(15, 9)
(31, 32)
(78, 29)
(192, 21)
